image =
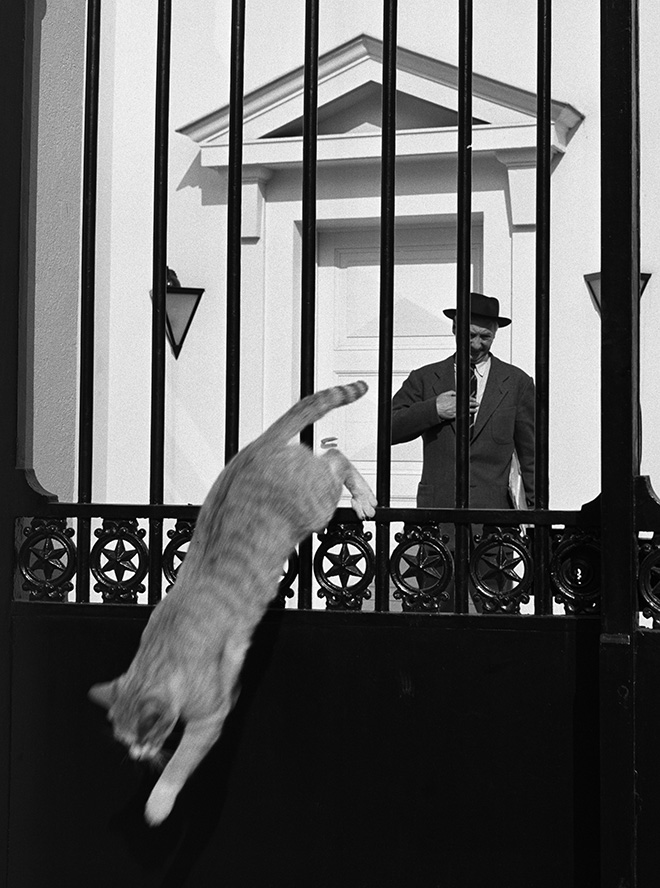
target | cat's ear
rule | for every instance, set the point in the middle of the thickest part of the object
(103, 694)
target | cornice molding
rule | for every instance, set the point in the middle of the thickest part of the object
(367, 51)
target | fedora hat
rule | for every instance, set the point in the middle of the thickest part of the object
(484, 307)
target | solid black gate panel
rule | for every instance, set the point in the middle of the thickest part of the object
(647, 760)
(366, 750)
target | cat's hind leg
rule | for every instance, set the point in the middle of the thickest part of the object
(363, 500)
(198, 737)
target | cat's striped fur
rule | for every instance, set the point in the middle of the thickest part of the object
(269, 497)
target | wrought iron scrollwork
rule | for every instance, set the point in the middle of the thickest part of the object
(575, 571)
(47, 559)
(119, 560)
(421, 567)
(344, 566)
(289, 574)
(501, 570)
(649, 580)
(176, 549)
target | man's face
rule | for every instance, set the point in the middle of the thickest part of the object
(482, 334)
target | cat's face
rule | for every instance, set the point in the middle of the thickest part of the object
(140, 720)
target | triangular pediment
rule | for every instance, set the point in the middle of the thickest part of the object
(359, 111)
(349, 107)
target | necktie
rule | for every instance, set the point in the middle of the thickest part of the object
(473, 394)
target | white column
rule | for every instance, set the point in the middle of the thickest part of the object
(253, 269)
(521, 178)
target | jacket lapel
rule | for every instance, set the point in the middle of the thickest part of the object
(444, 377)
(496, 388)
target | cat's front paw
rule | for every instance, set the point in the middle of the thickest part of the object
(159, 805)
(364, 505)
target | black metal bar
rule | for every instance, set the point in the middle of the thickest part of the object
(88, 251)
(308, 272)
(115, 510)
(386, 515)
(310, 140)
(154, 591)
(83, 543)
(161, 156)
(88, 286)
(619, 433)
(234, 207)
(463, 286)
(386, 321)
(542, 590)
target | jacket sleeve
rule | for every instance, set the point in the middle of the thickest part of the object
(412, 412)
(524, 436)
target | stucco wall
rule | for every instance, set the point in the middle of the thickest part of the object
(54, 232)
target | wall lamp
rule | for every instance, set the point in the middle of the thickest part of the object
(593, 283)
(180, 307)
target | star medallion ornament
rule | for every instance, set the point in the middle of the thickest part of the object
(501, 567)
(177, 549)
(501, 572)
(344, 565)
(421, 568)
(47, 559)
(345, 582)
(426, 566)
(119, 560)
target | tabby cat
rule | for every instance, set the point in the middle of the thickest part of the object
(271, 496)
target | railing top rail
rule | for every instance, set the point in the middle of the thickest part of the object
(497, 517)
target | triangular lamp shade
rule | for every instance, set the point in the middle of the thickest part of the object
(180, 307)
(593, 283)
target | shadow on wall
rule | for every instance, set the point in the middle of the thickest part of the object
(211, 183)
(26, 378)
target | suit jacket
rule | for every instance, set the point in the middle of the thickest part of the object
(505, 422)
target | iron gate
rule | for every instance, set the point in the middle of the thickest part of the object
(591, 564)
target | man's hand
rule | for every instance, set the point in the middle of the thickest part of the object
(445, 404)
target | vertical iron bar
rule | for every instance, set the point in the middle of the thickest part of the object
(234, 207)
(386, 322)
(88, 252)
(308, 272)
(87, 291)
(161, 155)
(619, 434)
(310, 135)
(463, 267)
(542, 593)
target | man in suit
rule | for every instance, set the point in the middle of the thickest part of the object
(502, 424)
(502, 417)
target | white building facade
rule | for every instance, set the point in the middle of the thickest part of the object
(350, 76)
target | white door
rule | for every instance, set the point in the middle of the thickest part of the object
(347, 330)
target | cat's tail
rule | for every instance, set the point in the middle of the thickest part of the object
(311, 409)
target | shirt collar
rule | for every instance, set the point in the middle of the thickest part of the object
(480, 368)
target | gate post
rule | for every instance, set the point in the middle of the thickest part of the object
(18, 496)
(619, 436)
